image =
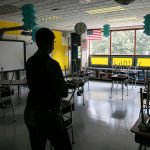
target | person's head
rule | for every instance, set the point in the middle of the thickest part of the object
(45, 39)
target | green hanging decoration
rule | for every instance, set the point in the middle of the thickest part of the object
(147, 24)
(29, 18)
(106, 30)
(34, 32)
(124, 2)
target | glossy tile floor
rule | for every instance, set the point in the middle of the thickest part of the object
(101, 124)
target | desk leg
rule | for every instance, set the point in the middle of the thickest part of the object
(111, 89)
(122, 89)
(83, 95)
(19, 101)
(140, 147)
(88, 85)
(127, 89)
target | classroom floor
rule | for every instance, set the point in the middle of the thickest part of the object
(101, 124)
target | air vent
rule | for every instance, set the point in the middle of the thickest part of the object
(55, 9)
(7, 9)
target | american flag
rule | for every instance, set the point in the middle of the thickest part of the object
(94, 34)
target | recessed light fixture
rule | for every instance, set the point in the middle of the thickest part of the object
(104, 10)
(51, 18)
(85, 1)
(55, 9)
(123, 19)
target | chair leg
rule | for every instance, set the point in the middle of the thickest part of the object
(72, 135)
(88, 85)
(13, 112)
(83, 95)
(51, 147)
(4, 113)
(127, 89)
(140, 147)
(3, 108)
(122, 88)
(117, 87)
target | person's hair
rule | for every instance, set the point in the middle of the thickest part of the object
(44, 37)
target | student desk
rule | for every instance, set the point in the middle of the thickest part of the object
(141, 137)
(119, 78)
(76, 84)
(15, 82)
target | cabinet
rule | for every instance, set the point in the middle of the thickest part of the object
(106, 73)
(100, 73)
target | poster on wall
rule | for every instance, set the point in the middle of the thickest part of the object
(84, 44)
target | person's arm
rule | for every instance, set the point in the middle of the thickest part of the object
(62, 86)
(56, 77)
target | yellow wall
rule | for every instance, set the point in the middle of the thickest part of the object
(60, 52)
(4, 24)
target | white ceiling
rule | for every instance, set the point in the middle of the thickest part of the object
(72, 11)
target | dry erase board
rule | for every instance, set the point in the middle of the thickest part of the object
(12, 55)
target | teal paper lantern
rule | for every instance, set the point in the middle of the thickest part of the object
(29, 18)
(34, 32)
(106, 30)
(147, 24)
(124, 2)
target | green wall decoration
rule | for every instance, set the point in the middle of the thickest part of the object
(147, 24)
(29, 18)
(106, 30)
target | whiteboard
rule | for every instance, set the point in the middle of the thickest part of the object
(12, 55)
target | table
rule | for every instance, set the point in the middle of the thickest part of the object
(76, 84)
(141, 137)
(15, 82)
(118, 78)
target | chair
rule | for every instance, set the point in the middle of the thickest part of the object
(67, 106)
(84, 75)
(145, 108)
(132, 74)
(6, 93)
(118, 75)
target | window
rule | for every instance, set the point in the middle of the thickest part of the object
(142, 43)
(100, 47)
(123, 42)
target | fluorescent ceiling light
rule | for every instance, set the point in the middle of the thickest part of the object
(123, 19)
(104, 10)
(46, 19)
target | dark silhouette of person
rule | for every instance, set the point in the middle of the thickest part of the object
(47, 86)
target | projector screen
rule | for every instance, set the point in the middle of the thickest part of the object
(12, 55)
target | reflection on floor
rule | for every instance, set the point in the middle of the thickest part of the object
(102, 124)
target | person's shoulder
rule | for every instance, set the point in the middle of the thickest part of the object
(31, 58)
(54, 61)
